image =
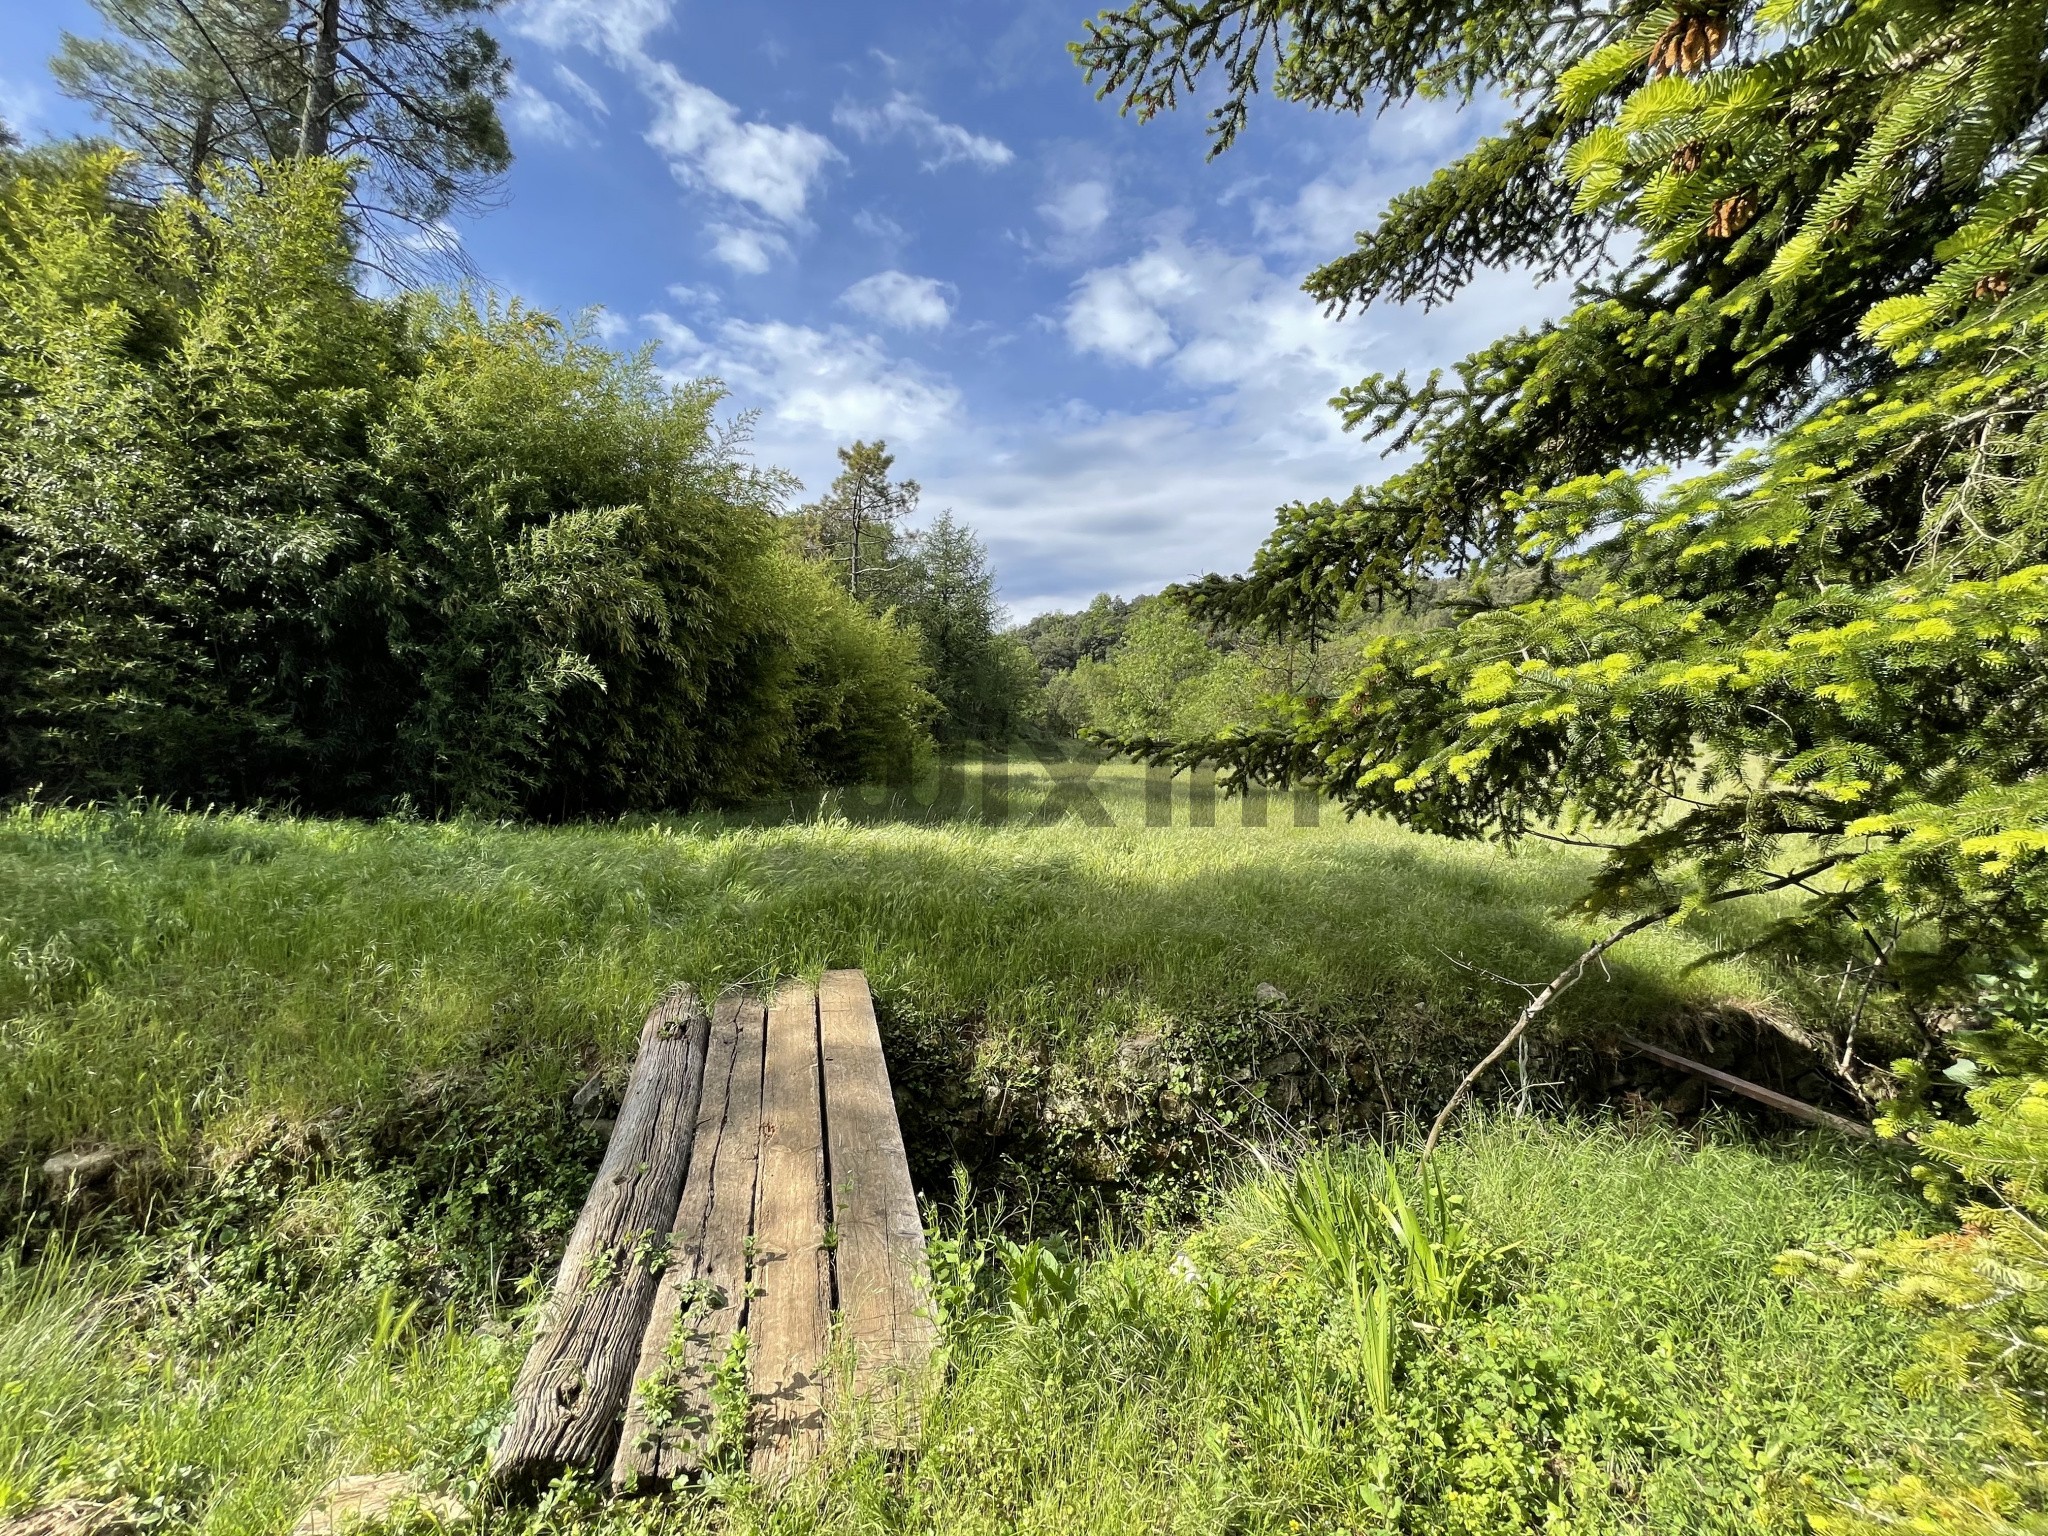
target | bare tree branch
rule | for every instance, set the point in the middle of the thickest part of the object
(1570, 975)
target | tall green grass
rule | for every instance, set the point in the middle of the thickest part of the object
(105, 1392)
(170, 978)
(350, 1046)
(1621, 1355)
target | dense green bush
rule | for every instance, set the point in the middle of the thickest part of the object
(1165, 676)
(262, 537)
(1058, 641)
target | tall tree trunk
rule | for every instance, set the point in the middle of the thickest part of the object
(314, 126)
(202, 147)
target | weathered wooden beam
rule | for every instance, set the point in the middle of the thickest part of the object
(882, 1271)
(789, 1315)
(670, 1416)
(566, 1402)
(1799, 1109)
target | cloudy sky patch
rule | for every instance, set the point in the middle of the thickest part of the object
(1082, 336)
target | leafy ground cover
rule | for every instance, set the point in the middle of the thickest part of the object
(338, 1057)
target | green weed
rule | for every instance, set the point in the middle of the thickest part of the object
(730, 1406)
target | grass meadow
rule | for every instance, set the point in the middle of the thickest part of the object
(174, 977)
(337, 1057)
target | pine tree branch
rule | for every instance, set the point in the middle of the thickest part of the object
(220, 57)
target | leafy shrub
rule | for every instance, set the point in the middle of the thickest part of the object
(261, 537)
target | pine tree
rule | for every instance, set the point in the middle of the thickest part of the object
(982, 678)
(412, 86)
(188, 85)
(1808, 241)
(853, 525)
(1811, 244)
(409, 87)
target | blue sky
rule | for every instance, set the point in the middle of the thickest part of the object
(914, 221)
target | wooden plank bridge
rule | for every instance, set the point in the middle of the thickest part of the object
(750, 1261)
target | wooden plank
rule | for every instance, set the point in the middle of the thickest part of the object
(789, 1316)
(882, 1270)
(670, 1416)
(566, 1402)
(1799, 1109)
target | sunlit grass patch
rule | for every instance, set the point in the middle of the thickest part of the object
(337, 1058)
(170, 972)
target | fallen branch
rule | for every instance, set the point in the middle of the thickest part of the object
(1558, 983)
(1571, 973)
(1799, 1109)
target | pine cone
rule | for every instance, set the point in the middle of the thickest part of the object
(1691, 42)
(1732, 215)
(1993, 286)
(1687, 157)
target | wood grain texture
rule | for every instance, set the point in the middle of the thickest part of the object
(789, 1316)
(882, 1272)
(567, 1400)
(702, 1297)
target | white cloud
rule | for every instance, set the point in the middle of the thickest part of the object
(747, 248)
(814, 388)
(582, 90)
(943, 143)
(840, 383)
(1125, 502)
(898, 299)
(1087, 499)
(1405, 146)
(1078, 208)
(21, 104)
(1116, 311)
(439, 239)
(1216, 320)
(768, 168)
(690, 356)
(613, 27)
(879, 226)
(708, 146)
(540, 116)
